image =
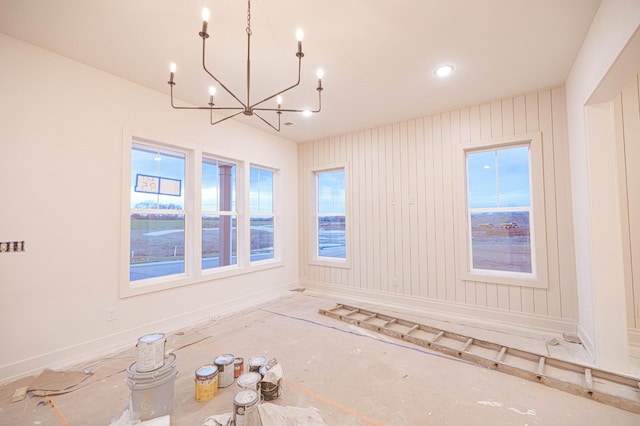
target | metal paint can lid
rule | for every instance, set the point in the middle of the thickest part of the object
(248, 379)
(246, 398)
(224, 359)
(150, 338)
(207, 372)
(257, 361)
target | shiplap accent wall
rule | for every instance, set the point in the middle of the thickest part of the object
(403, 227)
(628, 129)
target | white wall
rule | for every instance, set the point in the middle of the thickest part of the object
(60, 184)
(403, 228)
(613, 27)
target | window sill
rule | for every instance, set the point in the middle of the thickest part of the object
(138, 288)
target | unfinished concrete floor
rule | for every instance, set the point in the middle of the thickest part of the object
(352, 376)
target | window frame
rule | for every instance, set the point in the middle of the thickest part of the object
(200, 212)
(274, 208)
(194, 274)
(314, 258)
(539, 275)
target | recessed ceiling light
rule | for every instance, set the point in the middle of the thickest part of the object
(444, 70)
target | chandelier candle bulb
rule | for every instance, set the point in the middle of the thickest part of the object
(205, 22)
(172, 71)
(299, 36)
(212, 91)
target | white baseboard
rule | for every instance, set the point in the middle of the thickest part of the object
(492, 318)
(588, 343)
(105, 345)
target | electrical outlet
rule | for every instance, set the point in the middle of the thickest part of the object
(394, 282)
(111, 314)
(638, 311)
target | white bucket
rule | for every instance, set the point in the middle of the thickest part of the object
(150, 352)
(152, 392)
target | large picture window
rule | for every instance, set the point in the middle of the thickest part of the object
(501, 212)
(157, 213)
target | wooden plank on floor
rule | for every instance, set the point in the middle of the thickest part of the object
(540, 371)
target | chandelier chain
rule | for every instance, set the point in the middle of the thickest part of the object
(249, 17)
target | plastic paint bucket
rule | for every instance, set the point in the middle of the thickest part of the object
(238, 367)
(225, 369)
(150, 352)
(152, 392)
(256, 362)
(245, 405)
(206, 382)
(250, 380)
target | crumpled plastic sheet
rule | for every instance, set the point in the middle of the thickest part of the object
(218, 420)
(277, 415)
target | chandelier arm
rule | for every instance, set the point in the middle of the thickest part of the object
(197, 107)
(295, 110)
(223, 119)
(280, 92)
(214, 77)
(277, 129)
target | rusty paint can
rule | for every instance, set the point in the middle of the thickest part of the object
(238, 367)
(206, 382)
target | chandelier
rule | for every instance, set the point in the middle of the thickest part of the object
(247, 107)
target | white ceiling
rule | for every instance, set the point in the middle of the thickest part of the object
(378, 55)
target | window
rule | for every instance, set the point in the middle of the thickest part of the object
(504, 236)
(190, 216)
(262, 217)
(498, 187)
(157, 213)
(330, 223)
(219, 216)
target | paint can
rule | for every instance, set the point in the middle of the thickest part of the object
(206, 382)
(250, 380)
(245, 405)
(225, 369)
(256, 362)
(271, 391)
(150, 352)
(152, 392)
(238, 367)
